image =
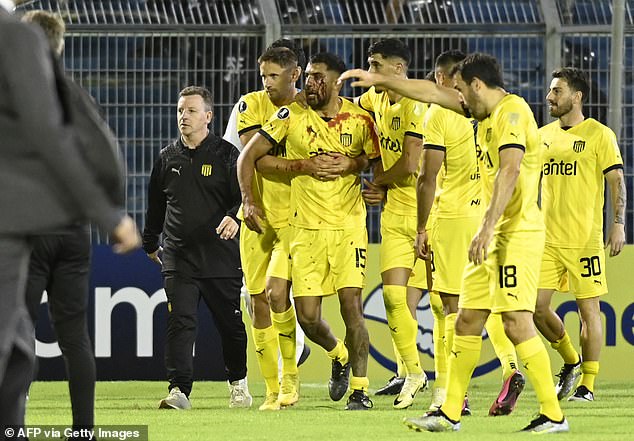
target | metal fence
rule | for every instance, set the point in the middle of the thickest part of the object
(134, 56)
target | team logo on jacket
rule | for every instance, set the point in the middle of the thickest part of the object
(578, 146)
(346, 139)
(242, 106)
(205, 170)
(396, 123)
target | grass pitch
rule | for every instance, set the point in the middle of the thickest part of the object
(316, 417)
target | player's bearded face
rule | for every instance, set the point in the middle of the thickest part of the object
(559, 98)
(469, 97)
(319, 86)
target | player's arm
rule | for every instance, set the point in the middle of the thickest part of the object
(420, 90)
(270, 164)
(433, 157)
(257, 147)
(616, 235)
(505, 181)
(405, 166)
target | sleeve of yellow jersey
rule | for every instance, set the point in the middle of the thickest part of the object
(249, 117)
(511, 126)
(434, 129)
(608, 153)
(414, 116)
(276, 127)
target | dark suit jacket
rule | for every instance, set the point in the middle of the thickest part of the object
(44, 181)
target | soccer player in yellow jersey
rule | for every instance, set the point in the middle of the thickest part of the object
(329, 237)
(505, 252)
(449, 186)
(579, 153)
(265, 261)
(399, 121)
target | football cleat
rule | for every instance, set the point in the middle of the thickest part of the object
(339, 380)
(359, 400)
(506, 400)
(432, 421)
(582, 394)
(413, 383)
(543, 424)
(568, 376)
(393, 386)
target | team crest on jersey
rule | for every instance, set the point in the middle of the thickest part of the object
(346, 139)
(242, 106)
(283, 113)
(489, 134)
(396, 123)
(578, 146)
(205, 170)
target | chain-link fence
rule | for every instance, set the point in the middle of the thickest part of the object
(134, 56)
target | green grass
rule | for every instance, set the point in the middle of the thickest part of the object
(315, 417)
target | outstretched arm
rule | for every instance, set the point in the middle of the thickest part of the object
(420, 90)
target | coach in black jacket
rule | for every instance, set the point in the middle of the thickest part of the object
(193, 198)
(45, 184)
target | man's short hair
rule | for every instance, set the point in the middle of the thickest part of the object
(391, 47)
(290, 44)
(203, 92)
(281, 56)
(482, 66)
(332, 61)
(576, 78)
(52, 25)
(449, 58)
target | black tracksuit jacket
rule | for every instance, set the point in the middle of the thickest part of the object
(190, 192)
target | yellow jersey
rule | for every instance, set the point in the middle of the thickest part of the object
(458, 185)
(272, 192)
(316, 204)
(395, 121)
(511, 124)
(574, 164)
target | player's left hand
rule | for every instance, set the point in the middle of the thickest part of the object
(227, 228)
(479, 245)
(616, 239)
(372, 194)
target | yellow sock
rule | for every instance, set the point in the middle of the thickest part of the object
(537, 368)
(440, 356)
(284, 324)
(401, 372)
(359, 383)
(503, 347)
(566, 349)
(402, 325)
(464, 357)
(266, 348)
(589, 371)
(339, 352)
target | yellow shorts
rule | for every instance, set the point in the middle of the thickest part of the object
(264, 255)
(507, 280)
(585, 268)
(397, 247)
(450, 240)
(327, 258)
